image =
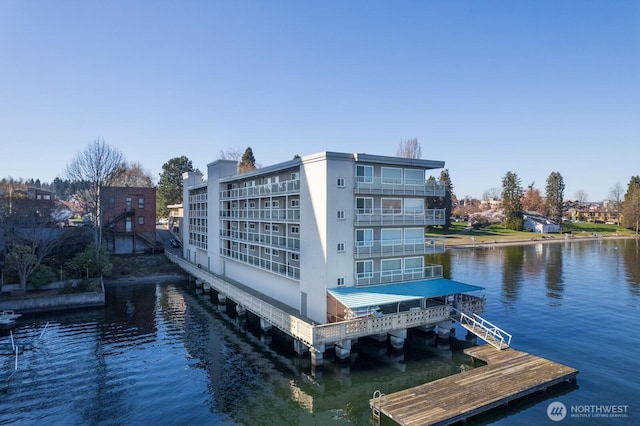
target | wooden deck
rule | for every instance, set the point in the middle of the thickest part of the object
(508, 375)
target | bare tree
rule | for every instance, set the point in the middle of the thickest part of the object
(616, 196)
(133, 175)
(409, 149)
(490, 193)
(97, 166)
(581, 197)
(230, 154)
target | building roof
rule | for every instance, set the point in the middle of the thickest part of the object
(360, 297)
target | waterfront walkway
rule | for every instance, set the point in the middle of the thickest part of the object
(508, 375)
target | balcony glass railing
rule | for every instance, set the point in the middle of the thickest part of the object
(279, 188)
(263, 263)
(379, 185)
(285, 215)
(385, 248)
(365, 217)
(397, 275)
(275, 241)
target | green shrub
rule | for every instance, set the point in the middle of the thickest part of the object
(41, 276)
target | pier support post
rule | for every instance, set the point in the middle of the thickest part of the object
(206, 287)
(222, 298)
(343, 349)
(265, 325)
(299, 347)
(444, 333)
(397, 338)
(317, 355)
(241, 310)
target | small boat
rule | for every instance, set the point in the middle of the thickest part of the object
(8, 320)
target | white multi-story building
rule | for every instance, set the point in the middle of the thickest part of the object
(332, 235)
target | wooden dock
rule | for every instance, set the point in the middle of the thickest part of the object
(508, 375)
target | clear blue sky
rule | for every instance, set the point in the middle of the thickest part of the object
(488, 87)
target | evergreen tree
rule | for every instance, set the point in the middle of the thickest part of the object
(446, 201)
(169, 189)
(631, 208)
(554, 196)
(248, 161)
(512, 201)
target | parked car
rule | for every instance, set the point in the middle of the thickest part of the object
(175, 243)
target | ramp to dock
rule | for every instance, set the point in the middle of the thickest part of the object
(508, 375)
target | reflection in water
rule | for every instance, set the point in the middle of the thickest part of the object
(631, 259)
(553, 272)
(512, 272)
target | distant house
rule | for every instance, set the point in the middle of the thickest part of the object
(175, 218)
(129, 218)
(535, 222)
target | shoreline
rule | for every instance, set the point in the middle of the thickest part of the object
(497, 242)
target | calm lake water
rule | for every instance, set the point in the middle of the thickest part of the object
(162, 354)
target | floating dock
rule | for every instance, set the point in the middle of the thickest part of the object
(508, 375)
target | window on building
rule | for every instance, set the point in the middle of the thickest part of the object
(267, 204)
(275, 203)
(252, 204)
(364, 269)
(391, 205)
(389, 267)
(341, 183)
(295, 230)
(391, 175)
(295, 256)
(340, 214)
(128, 203)
(275, 228)
(267, 227)
(252, 226)
(364, 237)
(340, 247)
(414, 236)
(391, 237)
(141, 203)
(364, 205)
(267, 250)
(252, 247)
(364, 174)
(414, 206)
(414, 177)
(295, 202)
(414, 265)
(112, 202)
(340, 282)
(295, 176)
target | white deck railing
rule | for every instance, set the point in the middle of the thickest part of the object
(303, 329)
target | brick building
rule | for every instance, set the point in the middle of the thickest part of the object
(129, 218)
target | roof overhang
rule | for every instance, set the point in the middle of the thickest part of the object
(360, 297)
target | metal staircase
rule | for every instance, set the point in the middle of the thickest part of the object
(493, 335)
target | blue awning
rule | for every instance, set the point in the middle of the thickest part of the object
(360, 297)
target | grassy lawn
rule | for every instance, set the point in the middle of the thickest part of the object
(458, 233)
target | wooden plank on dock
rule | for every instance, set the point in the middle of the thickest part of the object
(508, 375)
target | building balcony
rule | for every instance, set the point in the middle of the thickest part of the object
(282, 215)
(280, 188)
(391, 248)
(363, 279)
(275, 241)
(263, 263)
(424, 217)
(386, 186)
